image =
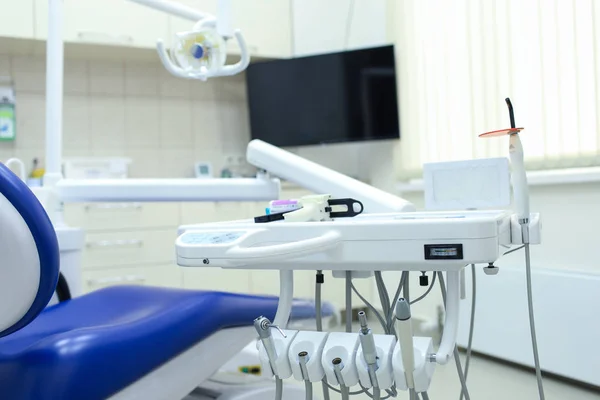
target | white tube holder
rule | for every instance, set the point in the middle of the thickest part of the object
(313, 343)
(286, 298)
(385, 349)
(423, 372)
(282, 347)
(344, 346)
(448, 342)
(535, 229)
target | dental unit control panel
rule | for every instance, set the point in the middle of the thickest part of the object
(383, 242)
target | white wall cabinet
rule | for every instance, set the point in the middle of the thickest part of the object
(272, 28)
(332, 26)
(108, 22)
(17, 18)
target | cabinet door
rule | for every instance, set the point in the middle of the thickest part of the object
(154, 275)
(109, 249)
(177, 24)
(121, 216)
(331, 26)
(266, 25)
(110, 22)
(17, 18)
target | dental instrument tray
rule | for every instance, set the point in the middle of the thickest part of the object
(438, 241)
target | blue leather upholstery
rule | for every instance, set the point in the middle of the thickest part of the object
(95, 345)
(34, 215)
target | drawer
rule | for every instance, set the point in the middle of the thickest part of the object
(105, 216)
(227, 280)
(154, 275)
(109, 249)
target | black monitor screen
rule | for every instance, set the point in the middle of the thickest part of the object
(330, 98)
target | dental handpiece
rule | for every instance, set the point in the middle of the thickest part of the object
(367, 342)
(263, 328)
(338, 365)
(303, 359)
(405, 337)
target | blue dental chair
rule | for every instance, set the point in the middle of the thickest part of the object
(124, 342)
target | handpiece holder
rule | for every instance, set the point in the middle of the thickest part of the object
(448, 342)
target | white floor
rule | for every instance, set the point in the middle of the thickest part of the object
(489, 380)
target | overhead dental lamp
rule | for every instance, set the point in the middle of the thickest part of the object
(201, 52)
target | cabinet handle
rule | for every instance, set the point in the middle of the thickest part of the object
(115, 243)
(113, 206)
(96, 36)
(117, 279)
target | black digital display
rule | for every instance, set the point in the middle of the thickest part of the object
(443, 252)
(329, 98)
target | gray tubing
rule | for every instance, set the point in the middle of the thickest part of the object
(376, 393)
(463, 384)
(319, 315)
(536, 357)
(345, 392)
(309, 390)
(348, 301)
(472, 326)
(278, 389)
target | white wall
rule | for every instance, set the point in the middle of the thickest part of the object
(132, 109)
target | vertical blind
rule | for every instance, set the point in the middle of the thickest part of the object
(458, 59)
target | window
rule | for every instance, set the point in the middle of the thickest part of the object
(458, 60)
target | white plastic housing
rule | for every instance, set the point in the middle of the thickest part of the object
(535, 229)
(282, 347)
(19, 268)
(321, 180)
(385, 348)
(342, 345)
(423, 372)
(312, 343)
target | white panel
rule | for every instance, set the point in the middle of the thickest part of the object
(471, 184)
(567, 330)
